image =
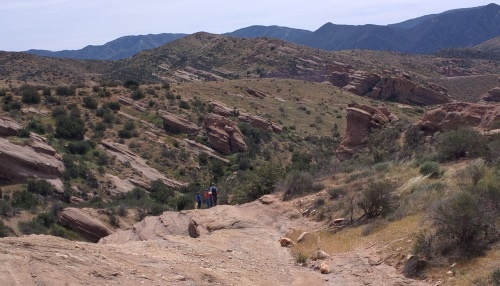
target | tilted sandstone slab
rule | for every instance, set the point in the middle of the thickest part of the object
(83, 224)
(224, 135)
(260, 122)
(405, 91)
(457, 115)
(8, 127)
(360, 121)
(176, 124)
(492, 95)
(124, 155)
(21, 162)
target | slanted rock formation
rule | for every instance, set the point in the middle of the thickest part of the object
(124, 155)
(360, 121)
(8, 127)
(175, 124)
(243, 116)
(18, 163)
(224, 135)
(456, 115)
(83, 224)
(394, 88)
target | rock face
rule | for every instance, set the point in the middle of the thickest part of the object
(360, 120)
(175, 124)
(393, 88)
(405, 91)
(224, 135)
(456, 115)
(222, 109)
(36, 160)
(8, 127)
(492, 95)
(124, 155)
(83, 224)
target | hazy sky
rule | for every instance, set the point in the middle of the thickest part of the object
(73, 24)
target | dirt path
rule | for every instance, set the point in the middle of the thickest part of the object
(241, 249)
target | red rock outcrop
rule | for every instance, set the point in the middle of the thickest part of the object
(260, 122)
(140, 106)
(124, 155)
(492, 95)
(360, 121)
(405, 91)
(222, 109)
(83, 224)
(224, 135)
(394, 88)
(176, 124)
(456, 115)
(8, 127)
(21, 162)
(257, 93)
(361, 82)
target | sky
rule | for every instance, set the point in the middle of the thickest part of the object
(73, 24)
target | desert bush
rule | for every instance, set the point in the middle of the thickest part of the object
(255, 183)
(24, 200)
(65, 90)
(184, 104)
(70, 127)
(161, 192)
(57, 230)
(59, 111)
(90, 102)
(38, 225)
(299, 183)
(80, 147)
(184, 202)
(131, 84)
(203, 158)
(460, 143)
(301, 258)
(430, 169)
(376, 198)
(4, 230)
(301, 161)
(336, 193)
(37, 127)
(23, 133)
(30, 96)
(137, 94)
(40, 187)
(495, 277)
(114, 105)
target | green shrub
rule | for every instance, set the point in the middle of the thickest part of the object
(376, 198)
(184, 104)
(30, 96)
(299, 183)
(23, 133)
(37, 127)
(80, 147)
(114, 105)
(495, 277)
(137, 94)
(4, 230)
(301, 258)
(161, 192)
(459, 143)
(336, 193)
(256, 183)
(59, 111)
(184, 202)
(430, 169)
(57, 230)
(70, 127)
(24, 200)
(125, 134)
(131, 84)
(66, 90)
(40, 187)
(90, 102)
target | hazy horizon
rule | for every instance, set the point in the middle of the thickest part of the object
(73, 24)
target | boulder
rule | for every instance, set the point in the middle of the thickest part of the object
(456, 115)
(175, 124)
(260, 122)
(302, 237)
(116, 186)
(18, 163)
(492, 95)
(83, 224)
(319, 255)
(224, 135)
(360, 121)
(285, 242)
(8, 127)
(256, 93)
(324, 268)
(124, 155)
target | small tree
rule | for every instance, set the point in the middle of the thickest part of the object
(30, 95)
(376, 198)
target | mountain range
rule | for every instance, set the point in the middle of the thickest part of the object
(460, 28)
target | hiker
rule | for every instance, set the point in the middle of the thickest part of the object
(214, 191)
(207, 199)
(198, 200)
